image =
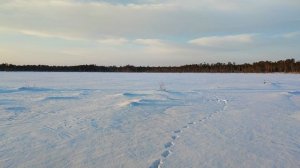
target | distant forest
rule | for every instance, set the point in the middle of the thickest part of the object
(286, 66)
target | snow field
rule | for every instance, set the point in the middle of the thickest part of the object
(126, 120)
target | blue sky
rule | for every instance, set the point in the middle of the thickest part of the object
(148, 32)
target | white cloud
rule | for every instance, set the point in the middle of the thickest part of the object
(38, 33)
(46, 35)
(146, 19)
(140, 42)
(113, 41)
(291, 34)
(79, 20)
(221, 41)
(149, 42)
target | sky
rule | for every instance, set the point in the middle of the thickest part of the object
(148, 32)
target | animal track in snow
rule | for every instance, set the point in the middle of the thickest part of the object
(177, 131)
(166, 153)
(169, 145)
(174, 137)
(156, 164)
(186, 126)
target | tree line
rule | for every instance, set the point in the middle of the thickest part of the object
(286, 66)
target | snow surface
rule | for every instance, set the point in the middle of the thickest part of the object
(125, 120)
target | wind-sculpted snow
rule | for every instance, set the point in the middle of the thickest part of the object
(61, 98)
(24, 89)
(128, 120)
(34, 89)
(134, 94)
(295, 93)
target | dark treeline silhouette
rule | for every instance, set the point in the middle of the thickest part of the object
(287, 66)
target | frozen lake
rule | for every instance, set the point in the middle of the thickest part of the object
(127, 120)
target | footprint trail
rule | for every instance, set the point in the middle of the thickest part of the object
(176, 134)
